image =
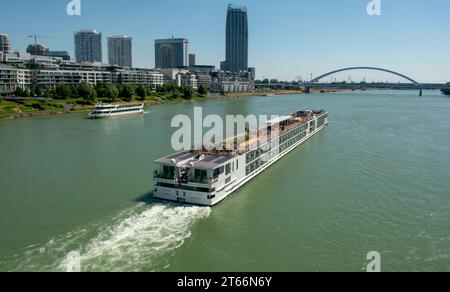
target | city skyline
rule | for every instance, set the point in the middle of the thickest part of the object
(409, 36)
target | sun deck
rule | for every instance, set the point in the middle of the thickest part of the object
(218, 156)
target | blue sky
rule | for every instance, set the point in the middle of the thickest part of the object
(287, 37)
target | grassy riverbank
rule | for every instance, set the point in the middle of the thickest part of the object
(10, 109)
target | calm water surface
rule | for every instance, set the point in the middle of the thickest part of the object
(376, 180)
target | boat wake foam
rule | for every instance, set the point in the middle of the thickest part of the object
(141, 238)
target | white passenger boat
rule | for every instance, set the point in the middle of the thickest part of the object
(208, 177)
(103, 111)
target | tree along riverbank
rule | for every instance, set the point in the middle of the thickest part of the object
(12, 109)
(83, 97)
(31, 107)
(446, 91)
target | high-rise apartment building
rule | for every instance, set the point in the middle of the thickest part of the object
(120, 51)
(192, 60)
(88, 46)
(171, 53)
(5, 45)
(236, 59)
(36, 50)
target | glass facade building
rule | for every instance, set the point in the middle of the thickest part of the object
(59, 54)
(5, 45)
(88, 46)
(236, 39)
(120, 51)
(171, 53)
(36, 50)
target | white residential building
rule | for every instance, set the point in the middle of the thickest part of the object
(187, 80)
(139, 76)
(231, 86)
(11, 78)
(204, 80)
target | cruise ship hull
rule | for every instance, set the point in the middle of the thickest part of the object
(197, 198)
(109, 116)
(106, 111)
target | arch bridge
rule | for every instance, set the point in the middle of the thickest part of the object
(314, 82)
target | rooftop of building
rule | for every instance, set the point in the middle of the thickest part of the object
(88, 31)
(237, 7)
(170, 40)
(119, 37)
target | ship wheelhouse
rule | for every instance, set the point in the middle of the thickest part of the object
(195, 175)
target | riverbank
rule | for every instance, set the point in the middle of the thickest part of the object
(14, 109)
(262, 93)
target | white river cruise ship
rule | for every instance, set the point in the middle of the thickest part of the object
(103, 111)
(208, 177)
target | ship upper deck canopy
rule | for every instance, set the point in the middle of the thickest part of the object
(177, 158)
(278, 120)
(211, 162)
(195, 159)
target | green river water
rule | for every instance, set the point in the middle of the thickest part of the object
(378, 179)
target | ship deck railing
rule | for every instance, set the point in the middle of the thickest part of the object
(196, 180)
(229, 147)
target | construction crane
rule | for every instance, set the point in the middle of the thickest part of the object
(299, 79)
(35, 37)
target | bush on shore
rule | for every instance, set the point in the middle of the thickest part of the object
(446, 91)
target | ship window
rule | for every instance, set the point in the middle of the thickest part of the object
(164, 185)
(218, 171)
(169, 172)
(201, 175)
(228, 169)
